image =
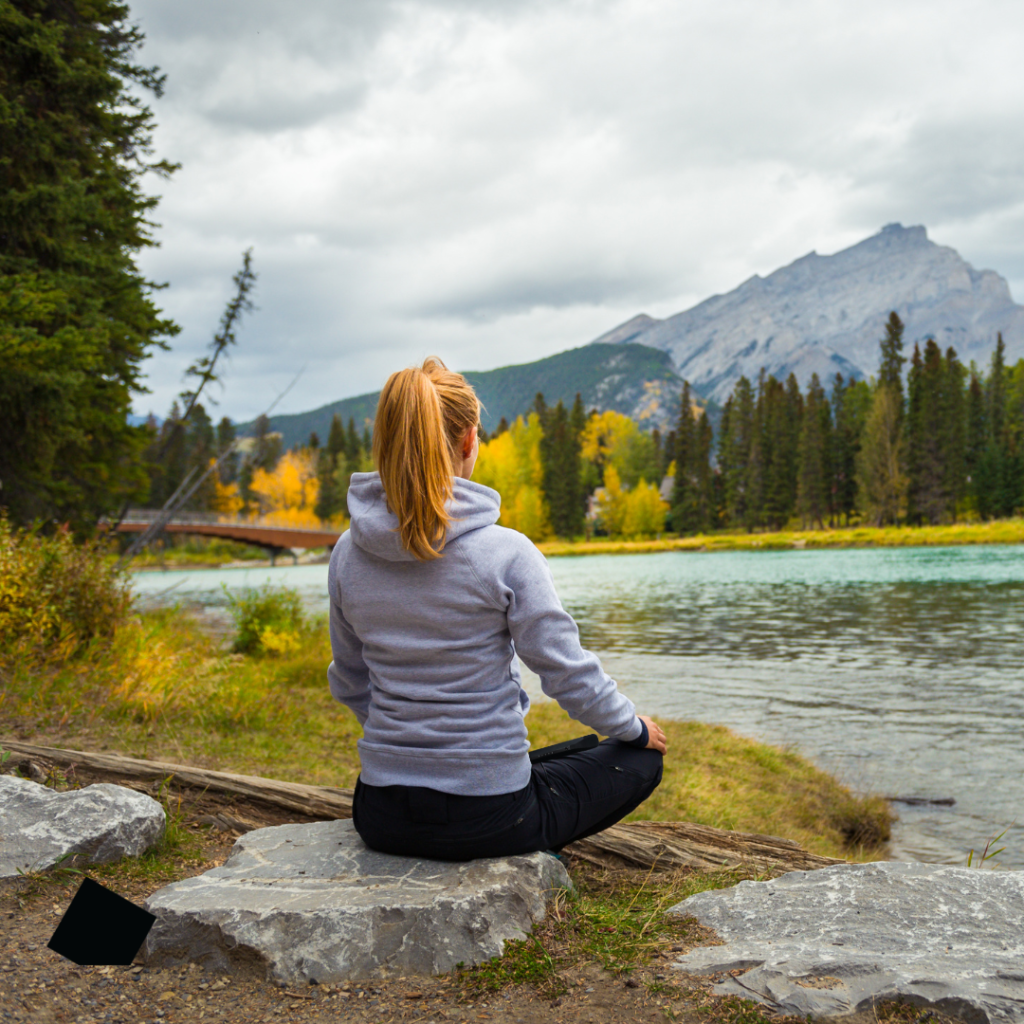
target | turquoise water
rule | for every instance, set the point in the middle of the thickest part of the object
(900, 670)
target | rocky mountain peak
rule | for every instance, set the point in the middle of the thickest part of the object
(826, 314)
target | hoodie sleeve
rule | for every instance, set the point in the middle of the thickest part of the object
(548, 641)
(347, 675)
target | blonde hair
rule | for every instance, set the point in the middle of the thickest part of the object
(423, 414)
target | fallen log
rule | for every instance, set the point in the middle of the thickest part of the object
(662, 845)
(667, 845)
(313, 801)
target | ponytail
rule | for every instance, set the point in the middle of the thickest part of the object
(422, 416)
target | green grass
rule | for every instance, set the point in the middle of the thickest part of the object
(199, 551)
(163, 689)
(1002, 531)
(617, 924)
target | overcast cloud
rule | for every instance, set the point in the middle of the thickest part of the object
(499, 181)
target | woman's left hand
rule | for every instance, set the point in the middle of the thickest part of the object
(655, 736)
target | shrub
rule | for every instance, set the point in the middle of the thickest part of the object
(56, 595)
(268, 620)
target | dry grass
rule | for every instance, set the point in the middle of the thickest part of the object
(1003, 531)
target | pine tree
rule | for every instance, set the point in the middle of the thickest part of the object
(881, 480)
(780, 415)
(226, 434)
(560, 458)
(77, 318)
(927, 497)
(976, 443)
(953, 425)
(735, 443)
(684, 499)
(813, 469)
(331, 466)
(353, 445)
(851, 402)
(1002, 465)
(706, 518)
(890, 372)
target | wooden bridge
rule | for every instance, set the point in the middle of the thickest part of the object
(274, 539)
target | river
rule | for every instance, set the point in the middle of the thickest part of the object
(901, 671)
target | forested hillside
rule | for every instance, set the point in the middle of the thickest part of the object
(635, 380)
(926, 440)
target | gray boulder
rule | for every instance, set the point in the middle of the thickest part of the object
(97, 824)
(837, 940)
(312, 902)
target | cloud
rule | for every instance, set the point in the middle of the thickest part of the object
(495, 182)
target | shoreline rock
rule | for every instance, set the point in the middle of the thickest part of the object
(96, 825)
(835, 941)
(313, 903)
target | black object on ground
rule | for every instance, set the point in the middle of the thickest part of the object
(100, 928)
(561, 749)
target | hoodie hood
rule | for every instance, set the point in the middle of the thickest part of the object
(375, 528)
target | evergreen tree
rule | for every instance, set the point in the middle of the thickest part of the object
(813, 491)
(560, 458)
(201, 445)
(780, 412)
(927, 497)
(331, 465)
(976, 442)
(313, 444)
(735, 443)
(881, 480)
(226, 435)
(890, 373)
(540, 407)
(353, 446)
(851, 402)
(336, 436)
(1001, 473)
(684, 498)
(704, 481)
(76, 315)
(953, 425)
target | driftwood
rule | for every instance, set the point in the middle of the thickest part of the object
(665, 845)
(662, 845)
(313, 801)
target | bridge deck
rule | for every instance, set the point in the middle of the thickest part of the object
(279, 537)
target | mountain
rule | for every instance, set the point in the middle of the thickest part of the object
(632, 379)
(826, 314)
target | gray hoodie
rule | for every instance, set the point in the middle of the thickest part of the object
(425, 652)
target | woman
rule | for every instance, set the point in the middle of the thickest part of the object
(431, 602)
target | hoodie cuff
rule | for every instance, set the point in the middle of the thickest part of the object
(642, 740)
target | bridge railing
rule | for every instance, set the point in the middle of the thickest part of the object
(137, 516)
(148, 515)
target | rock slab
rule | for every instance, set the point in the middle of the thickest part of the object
(95, 825)
(313, 903)
(835, 941)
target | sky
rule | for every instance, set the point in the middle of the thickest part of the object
(494, 181)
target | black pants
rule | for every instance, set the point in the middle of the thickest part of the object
(568, 798)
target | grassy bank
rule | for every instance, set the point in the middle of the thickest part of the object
(162, 688)
(1003, 531)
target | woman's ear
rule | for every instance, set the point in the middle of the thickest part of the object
(468, 441)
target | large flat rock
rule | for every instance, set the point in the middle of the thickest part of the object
(312, 902)
(95, 825)
(834, 941)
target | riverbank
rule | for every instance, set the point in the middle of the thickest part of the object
(163, 688)
(1002, 531)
